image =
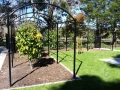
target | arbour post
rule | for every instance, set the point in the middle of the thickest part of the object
(48, 41)
(74, 57)
(74, 62)
(9, 58)
(12, 46)
(66, 39)
(57, 43)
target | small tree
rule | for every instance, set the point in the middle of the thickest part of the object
(29, 41)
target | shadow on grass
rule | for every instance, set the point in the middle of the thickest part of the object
(64, 59)
(117, 56)
(117, 60)
(64, 56)
(78, 68)
(88, 83)
(60, 58)
(114, 66)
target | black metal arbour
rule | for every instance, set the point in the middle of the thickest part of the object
(10, 35)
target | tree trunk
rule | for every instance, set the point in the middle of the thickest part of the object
(30, 63)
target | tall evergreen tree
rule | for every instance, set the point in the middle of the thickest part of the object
(102, 11)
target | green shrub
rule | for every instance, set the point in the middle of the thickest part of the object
(79, 44)
(29, 40)
(90, 37)
(52, 38)
(71, 40)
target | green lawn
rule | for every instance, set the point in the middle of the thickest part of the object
(95, 74)
(116, 48)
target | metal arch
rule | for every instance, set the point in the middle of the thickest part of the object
(26, 17)
(24, 14)
(29, 17)
(73, 20)
(28, 20)
(28, 4)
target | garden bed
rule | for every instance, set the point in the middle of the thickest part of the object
(23, 75)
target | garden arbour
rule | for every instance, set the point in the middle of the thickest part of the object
(36, 16)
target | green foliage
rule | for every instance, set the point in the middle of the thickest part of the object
(90, 37)
(102, 10)
(64, 5)
(103, 45)
(118, 33)
(39, 0)
(79, 44)
(67, 30)
(52, 38)
(71, 40)
(29, 40)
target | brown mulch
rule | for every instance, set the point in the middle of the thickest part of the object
(23, 75)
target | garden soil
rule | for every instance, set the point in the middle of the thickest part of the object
(23, 75)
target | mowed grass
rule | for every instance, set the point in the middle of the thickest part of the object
(116, 48)
(95, 74)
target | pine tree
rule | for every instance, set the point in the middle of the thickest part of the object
(101, 12)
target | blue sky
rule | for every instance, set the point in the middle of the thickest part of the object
(75, 9)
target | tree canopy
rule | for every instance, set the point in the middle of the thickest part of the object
(102, 11)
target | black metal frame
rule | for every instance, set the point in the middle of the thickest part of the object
(9, 56)
(9, 40)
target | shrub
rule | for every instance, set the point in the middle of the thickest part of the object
(79, 44)
(90, 37)
(29, 40)
(52, 38)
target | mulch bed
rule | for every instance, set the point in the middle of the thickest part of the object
(23, 75)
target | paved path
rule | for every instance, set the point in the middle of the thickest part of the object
(115, 61)
(3, 52)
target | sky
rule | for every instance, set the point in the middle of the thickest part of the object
(75, 9)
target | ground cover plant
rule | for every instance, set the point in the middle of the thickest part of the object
(95, 74)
